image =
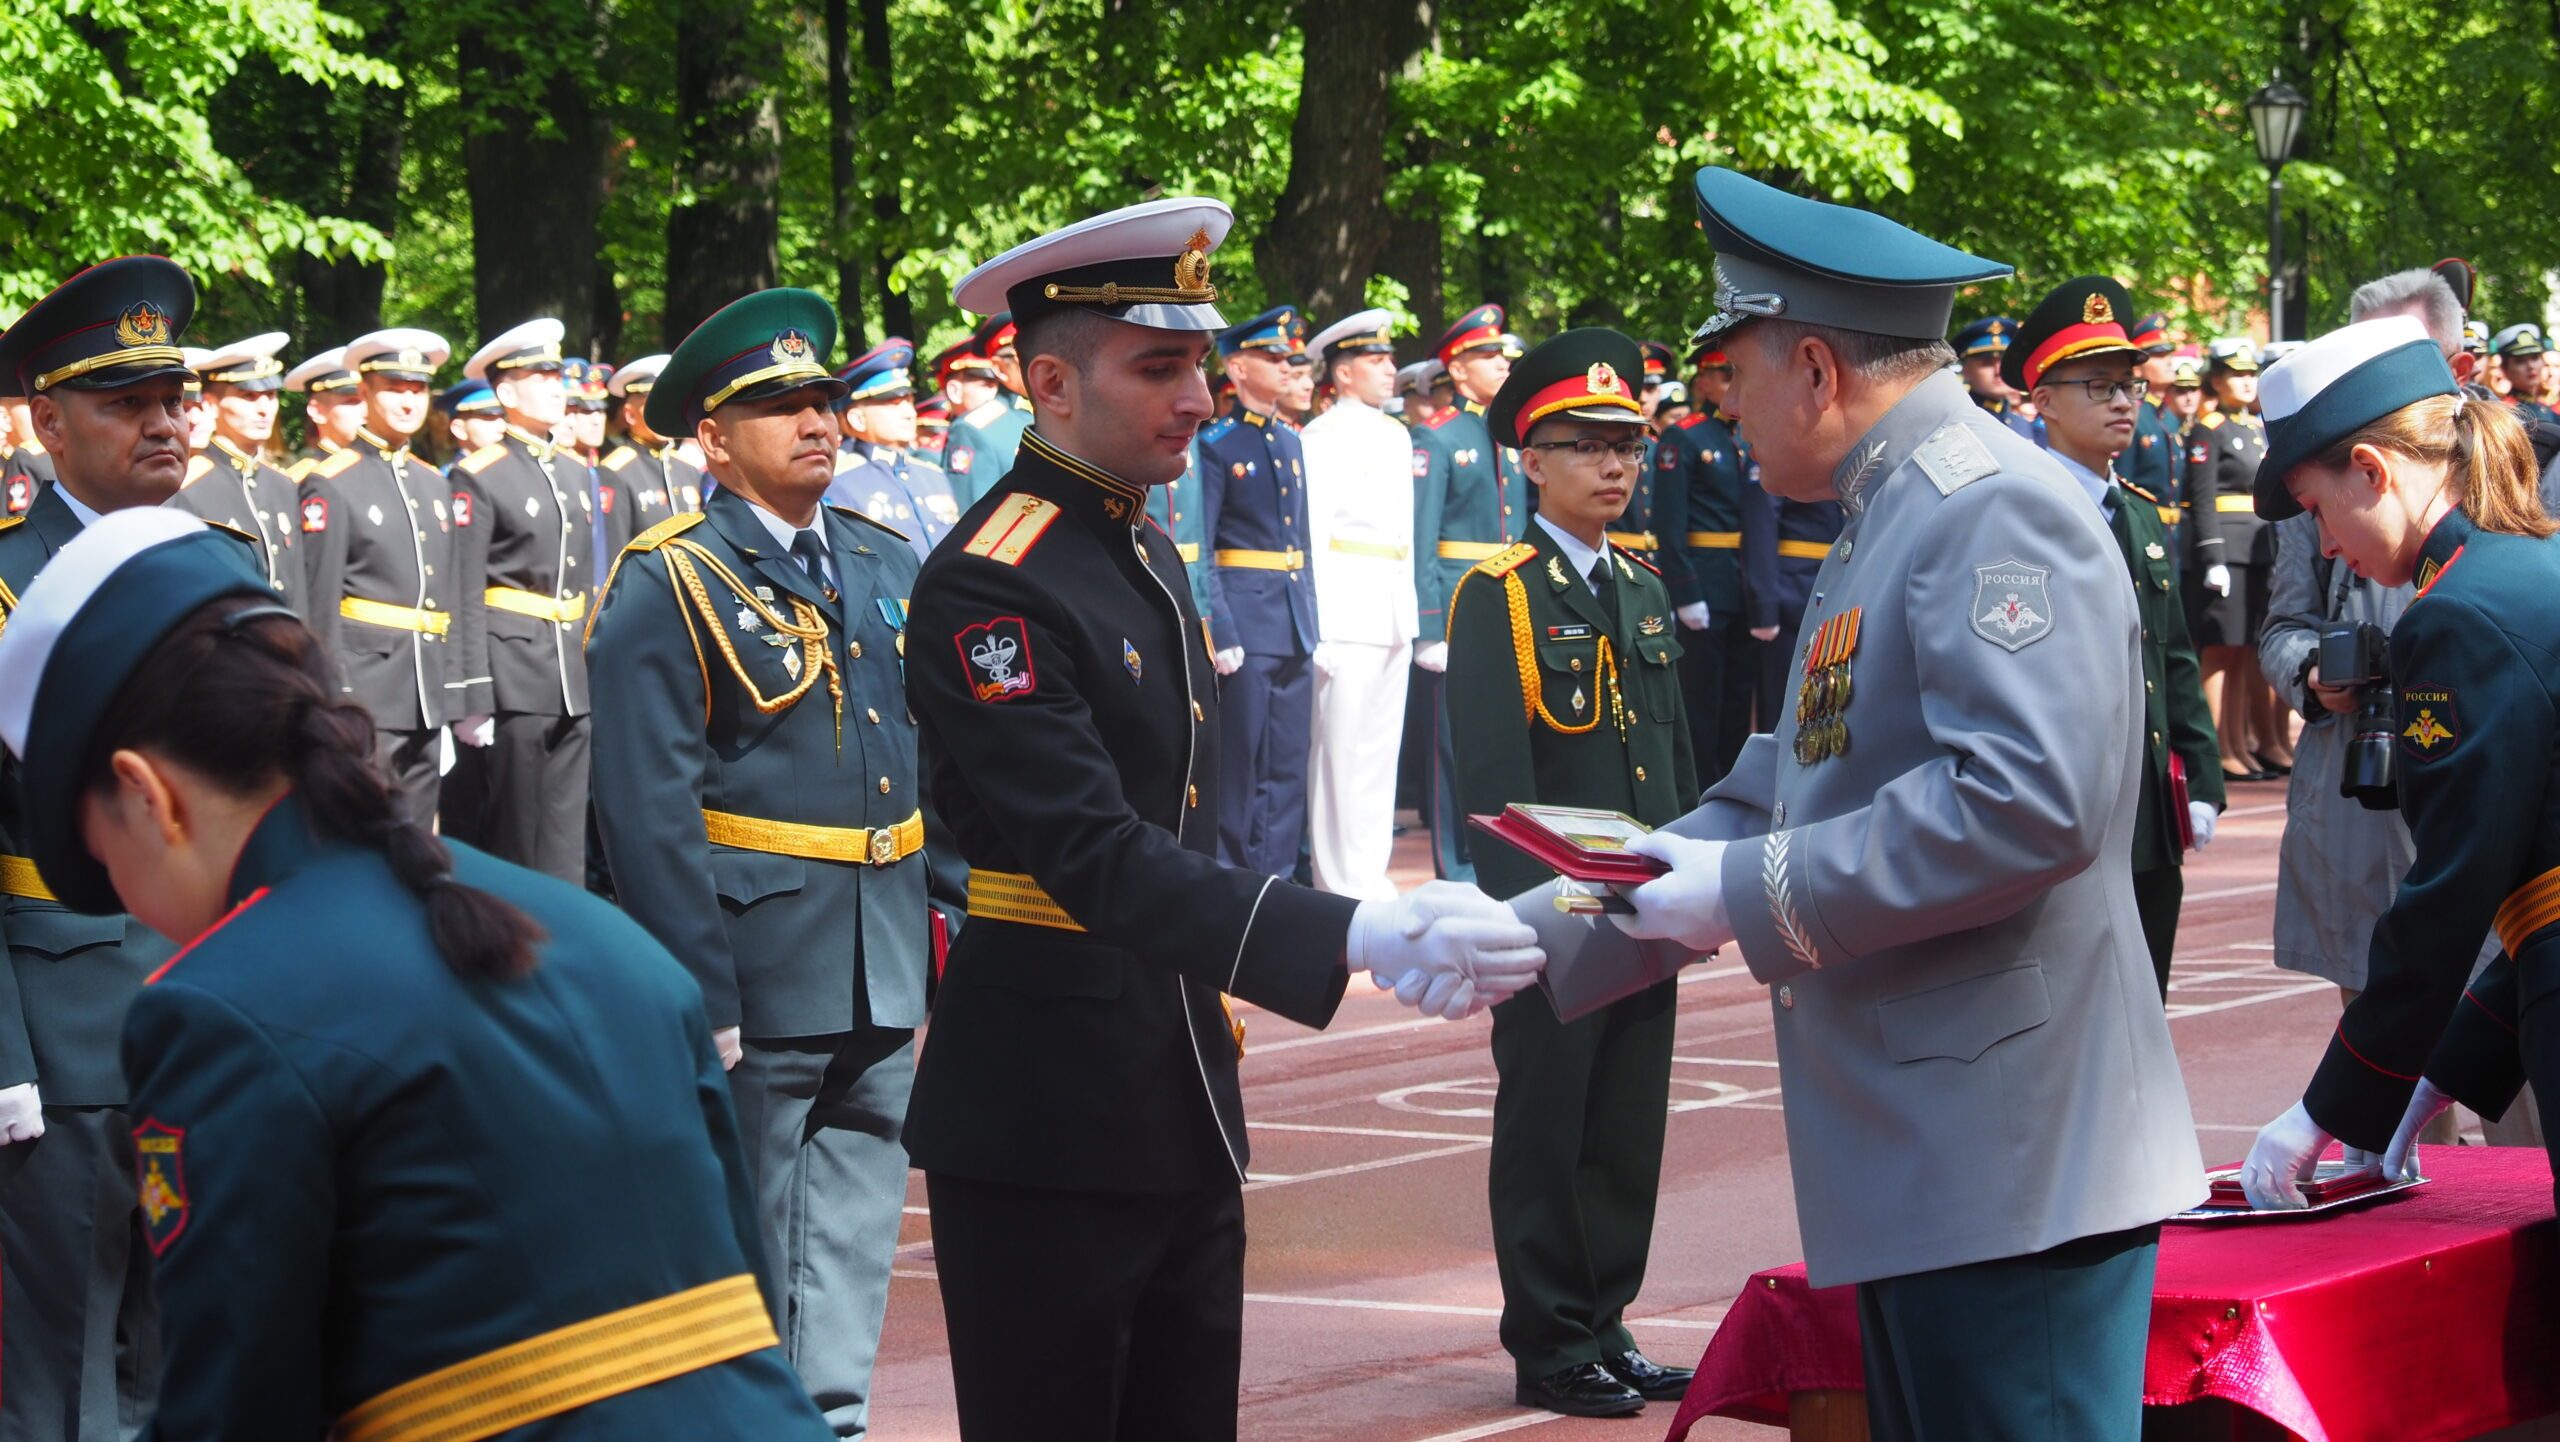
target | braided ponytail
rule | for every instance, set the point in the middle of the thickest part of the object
(242, 704)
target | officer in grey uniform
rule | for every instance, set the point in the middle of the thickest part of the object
(1928, 861)
(527, 561)
(756, 795)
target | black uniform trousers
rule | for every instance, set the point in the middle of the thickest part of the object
(1719, 674)
(523, 797)
(1450, 858)
(79, 1330)
(1265, 712)
(412, 758)
(2158, 891)
(2020, 1349)
(1577, 1161)
(1091, 1316)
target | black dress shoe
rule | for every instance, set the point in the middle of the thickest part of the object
(2272, 768)
(1585, 1391)
(1651, 1380)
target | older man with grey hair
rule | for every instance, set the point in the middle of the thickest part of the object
(2340, 863)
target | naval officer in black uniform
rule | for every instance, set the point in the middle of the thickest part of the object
(1077, 1115)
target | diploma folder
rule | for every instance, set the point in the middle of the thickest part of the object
(1575, 842)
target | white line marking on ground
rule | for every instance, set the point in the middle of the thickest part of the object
(1364, 1132)
(1723, 1061)
(2252, 999)
(1379, 1165)
(2270, 809)
(1493, 1429)
(2254, 888)
(1392, 1028)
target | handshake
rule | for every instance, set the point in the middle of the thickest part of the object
(1445, 948)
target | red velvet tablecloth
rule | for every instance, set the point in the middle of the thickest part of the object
(2431, 1315)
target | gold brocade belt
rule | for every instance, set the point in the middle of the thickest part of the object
(1012, 896)
(1289, 560)
(2171, 515)
(1632, 540)
(569, 1367)
(398, 618)
(1379, 549)
(1189, 551)
(2531, 907)
(1471, 550)
(562, 609)
(2235, 505)
(1715, 540)
(18, 877)
(1805, 550)
(858, 845)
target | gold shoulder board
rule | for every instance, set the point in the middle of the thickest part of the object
(1508, 561)
(337, 464)
(485, 457)
(666, 530)
(622, 456)
(1012, 528)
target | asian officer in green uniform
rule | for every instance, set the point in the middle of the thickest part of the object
(1564, 689)
(2074, 356)
(756, 795)
(427, 1146)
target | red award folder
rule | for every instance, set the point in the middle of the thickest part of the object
(2178, 796)
(1575, 842)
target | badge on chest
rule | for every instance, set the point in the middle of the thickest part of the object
(1822, 702)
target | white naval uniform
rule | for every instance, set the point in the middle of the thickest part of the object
(1360, 531)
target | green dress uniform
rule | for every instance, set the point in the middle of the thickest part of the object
(227, 485)
(2157, 466)
(756, 795)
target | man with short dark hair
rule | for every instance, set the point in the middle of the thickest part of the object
(332, 411)
(231, 482)
(986, 432)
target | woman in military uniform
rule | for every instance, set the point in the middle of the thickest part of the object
(2412, 480)
(429, 1145)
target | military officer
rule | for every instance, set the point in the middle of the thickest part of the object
(193, 404)
(2227, 597)
(79, 1341)
(986, 433)
(933, 427)
(373, 1041)
(27, 459)
(332, 408)
(520, 790)
(1417, 386)
(875, 474)
(2519, 349)
(1928, 862)
(1699, 468)
(1564, 677)
(2156, 462)
(2414, 481)
(1980, 347)
(2082, 366)
(1360, 561)
(230, 482)
(588, 399)
(650, 481)
(1658, 361)
(756, 793)
(1471, 502)
(1785, 540)
(379, 535)
(1077, 1116)
(474, 420)
(2475, 340)
(1263, 622)
(17, 486)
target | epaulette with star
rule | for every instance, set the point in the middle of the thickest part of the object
(485, 457)
(1012, 529)
(1503, 563)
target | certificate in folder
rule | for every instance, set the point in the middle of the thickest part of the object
(1578, 843)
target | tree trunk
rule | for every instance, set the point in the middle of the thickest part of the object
(842, 132)
(534, 192)
(726, 241)
(1331, 221)
(888, 211)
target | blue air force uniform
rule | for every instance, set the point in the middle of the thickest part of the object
(1253, 516)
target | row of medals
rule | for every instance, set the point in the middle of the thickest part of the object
(1822, 703)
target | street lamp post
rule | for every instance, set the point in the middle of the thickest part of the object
(2275, 118)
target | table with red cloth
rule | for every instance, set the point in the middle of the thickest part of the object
(2434, 1314)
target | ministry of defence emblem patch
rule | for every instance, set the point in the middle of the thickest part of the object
(2012, 609)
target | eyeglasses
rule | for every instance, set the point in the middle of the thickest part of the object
(2102, 391)
(1592, 448)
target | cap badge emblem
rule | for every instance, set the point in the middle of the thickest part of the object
(1603, 380)
(143, 324)
(1191, 268)
(2097, 311)
(792, 347)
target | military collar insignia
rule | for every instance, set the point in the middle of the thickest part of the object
(1855, 474)
(1555, 572)
(1122, 500)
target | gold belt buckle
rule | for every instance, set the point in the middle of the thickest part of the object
(884, 845)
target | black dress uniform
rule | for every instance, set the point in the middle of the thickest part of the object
(527, 564)
(639, 486)
(1701, 490)
(1564, 685)
(756, 794)
(380, 534)
(2223, 451)
(79, 1334)
(1253, 509)
(1784, 544)
(1077, 1115)
(226, 484)
(24, 471)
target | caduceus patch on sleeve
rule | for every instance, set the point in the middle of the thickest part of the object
(996, 655)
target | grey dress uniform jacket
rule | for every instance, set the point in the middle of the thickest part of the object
(1969, 1033)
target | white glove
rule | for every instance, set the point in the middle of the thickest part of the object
(1693, 615)
(21, 1114)
(476, 730)
(1686, 904)
(1323, 659)
(2287, 1151)
(2201, 815)
(1426, 942)
(1432, 656)
(2400, 1160)
(725, 1039)
(2217, 579)
(1228, 661)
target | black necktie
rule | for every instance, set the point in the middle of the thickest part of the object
(804, 544)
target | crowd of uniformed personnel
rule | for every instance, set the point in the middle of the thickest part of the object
(1014, 685)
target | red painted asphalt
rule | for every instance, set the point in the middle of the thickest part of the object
(1370, 1290)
